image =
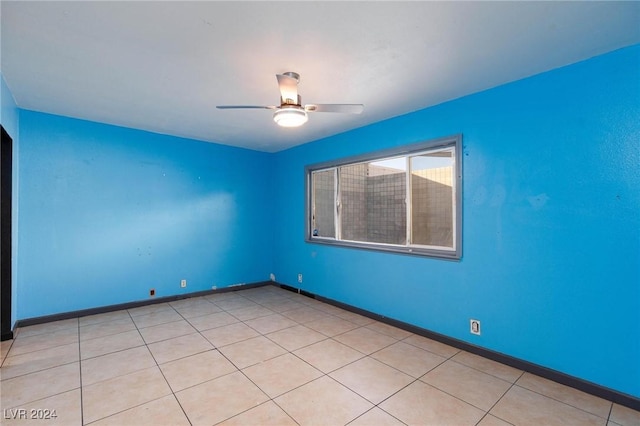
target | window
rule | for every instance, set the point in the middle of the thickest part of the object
(405, 200)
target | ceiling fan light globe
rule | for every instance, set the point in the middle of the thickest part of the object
(290, 117)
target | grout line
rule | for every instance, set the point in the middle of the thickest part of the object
(484, 372)
(373, 408)
(38, 371)
(6, 354)
(610, 412)
(499, 399)
(80, 374)
(31, 351)
(161, 372)
(566, 403)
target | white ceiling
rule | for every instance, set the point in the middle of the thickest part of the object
(164, 66)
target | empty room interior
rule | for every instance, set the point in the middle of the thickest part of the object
(320, 213)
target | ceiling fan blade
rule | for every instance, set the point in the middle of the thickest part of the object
(245, 107)
(288, 83)
(343, 108)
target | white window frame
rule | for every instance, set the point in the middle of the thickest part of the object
(448, 143)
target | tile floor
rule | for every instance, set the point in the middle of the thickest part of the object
(266, 356)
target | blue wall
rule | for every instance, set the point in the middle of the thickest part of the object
(107, 213)
(551, 229)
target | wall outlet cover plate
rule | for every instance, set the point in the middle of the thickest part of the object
(474, 327)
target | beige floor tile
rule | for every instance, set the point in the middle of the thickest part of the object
(47, 328)
(270, 323)
(156, 318)
(562, 393)
(252, 312)
(251, 351)
(23, 345)
(62, 409)
(421, 404)
(197, 310)
(331, 326)
(329, 309)
(265, 299)
(31, 362)
(361, 320)
(310, 301)
(297, 297)
(162, 411)
(283, 305)
(115, 364)
(323, 402)
(103, 329)
(523, 407)
(376, 417)
(220, 399)
(431, 346)
(293, 338)
(166, 331)
(229, 334)
(215, 297)
(109, 344)
(234, 303)
(112, 396)
(408, 358)
(267, 414)
(149, 309)
(281, 374)
(624, 416)
(389, 330)
(328, 355)
(179, 347)
(196, 369)
(19, 391)
(260, 295)
(305, 314)
(490, 420)
(105, 317)
(488, 366)
(472, 386)
(371, 379)
(5, 346)
(189, 302)
(215, 320)
(365, 340)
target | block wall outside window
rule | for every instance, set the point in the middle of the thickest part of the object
(323, 216)
(407, 200)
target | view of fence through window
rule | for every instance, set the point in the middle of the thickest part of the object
(402, 201)
(373, 204)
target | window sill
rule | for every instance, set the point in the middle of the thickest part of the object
(390, 248)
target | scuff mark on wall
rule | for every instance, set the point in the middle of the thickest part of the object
(538, 201)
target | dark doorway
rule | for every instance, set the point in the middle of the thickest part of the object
(6, 154)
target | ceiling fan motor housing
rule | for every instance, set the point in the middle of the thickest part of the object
(284, 102)
(292, 75)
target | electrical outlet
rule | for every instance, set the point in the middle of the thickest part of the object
(183, 283)
(474, 326)
(152, 292)
(272, 277)
(300, 278)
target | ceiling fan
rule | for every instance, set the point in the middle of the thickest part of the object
(291, 112)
